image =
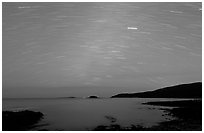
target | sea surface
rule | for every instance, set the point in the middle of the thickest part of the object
(86, 114)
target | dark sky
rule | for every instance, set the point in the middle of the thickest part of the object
(80, 49)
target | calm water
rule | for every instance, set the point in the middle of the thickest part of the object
(85, 114)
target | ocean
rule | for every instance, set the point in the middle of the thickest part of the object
(71, 114)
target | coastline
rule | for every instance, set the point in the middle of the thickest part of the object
(20, 120)
(188, 114)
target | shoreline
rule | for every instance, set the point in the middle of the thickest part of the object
(20, 120)
(188, 114)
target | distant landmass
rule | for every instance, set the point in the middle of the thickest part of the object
(65, 97)
(191, 90)
(93, 97)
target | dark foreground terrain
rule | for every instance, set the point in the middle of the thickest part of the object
(20, 121)
(187, 113)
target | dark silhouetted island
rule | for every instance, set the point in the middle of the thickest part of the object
(20, 121)
(191, 90)
(66, 97)
(93, 97)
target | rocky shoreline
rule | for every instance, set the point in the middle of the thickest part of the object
(20, 120)
(188, 114)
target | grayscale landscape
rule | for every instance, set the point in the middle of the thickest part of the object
(104, 66)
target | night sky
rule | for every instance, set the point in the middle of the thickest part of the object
(81, 49)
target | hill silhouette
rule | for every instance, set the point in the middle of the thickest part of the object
(191, 90)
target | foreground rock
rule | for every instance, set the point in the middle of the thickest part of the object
(20, 121)
(188, 114)
(184, 110)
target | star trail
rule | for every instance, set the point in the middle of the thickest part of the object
(83, 48)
